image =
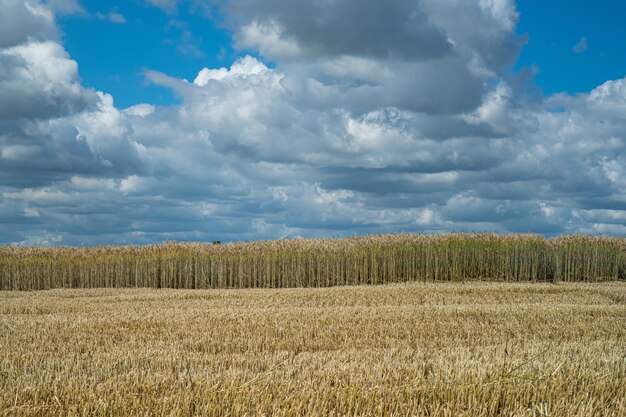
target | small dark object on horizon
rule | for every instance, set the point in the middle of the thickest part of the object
(217, 242)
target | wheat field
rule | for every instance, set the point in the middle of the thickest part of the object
(378, 259)
(412, 349)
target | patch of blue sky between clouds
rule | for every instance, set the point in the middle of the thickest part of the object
(116, 42)
(574, 46)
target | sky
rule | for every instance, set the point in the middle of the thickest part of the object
(198, 120)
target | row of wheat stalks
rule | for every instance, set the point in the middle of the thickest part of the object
(318, 262)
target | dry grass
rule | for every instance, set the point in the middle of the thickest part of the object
(378, 259)
(473, 349)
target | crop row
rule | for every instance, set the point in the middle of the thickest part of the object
(374, 259)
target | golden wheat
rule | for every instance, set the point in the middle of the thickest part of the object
(317, 262)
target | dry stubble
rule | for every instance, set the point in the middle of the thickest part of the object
(474, 349)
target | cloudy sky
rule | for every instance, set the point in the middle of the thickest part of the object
(148, 120)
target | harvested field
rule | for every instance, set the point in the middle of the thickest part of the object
(453, 349)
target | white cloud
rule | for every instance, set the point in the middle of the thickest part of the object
(42, 196)
(581, 46)
(168, 6)
(38, 79)
(267, 40)
(92, 184)
(65, 6)
(112, 16)
(45, 239)
(426, 217)
(140, 110)
(31, 212)
(18, 152)
(136, 184)
(243, 68)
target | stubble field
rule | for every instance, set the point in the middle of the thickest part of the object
(453, 349)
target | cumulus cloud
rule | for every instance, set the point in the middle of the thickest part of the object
(24, 20)
(410, 123)
(425, 56)
(395, 29)
(39, 80)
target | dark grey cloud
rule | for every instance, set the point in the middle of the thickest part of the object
(484, 30)
(391, 29)
(21, 21)
(422, 56)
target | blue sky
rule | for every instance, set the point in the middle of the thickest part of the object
(114, 55)
(201, 120)
(554, 29)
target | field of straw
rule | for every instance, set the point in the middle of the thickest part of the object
(427, 349)
(378, 259)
